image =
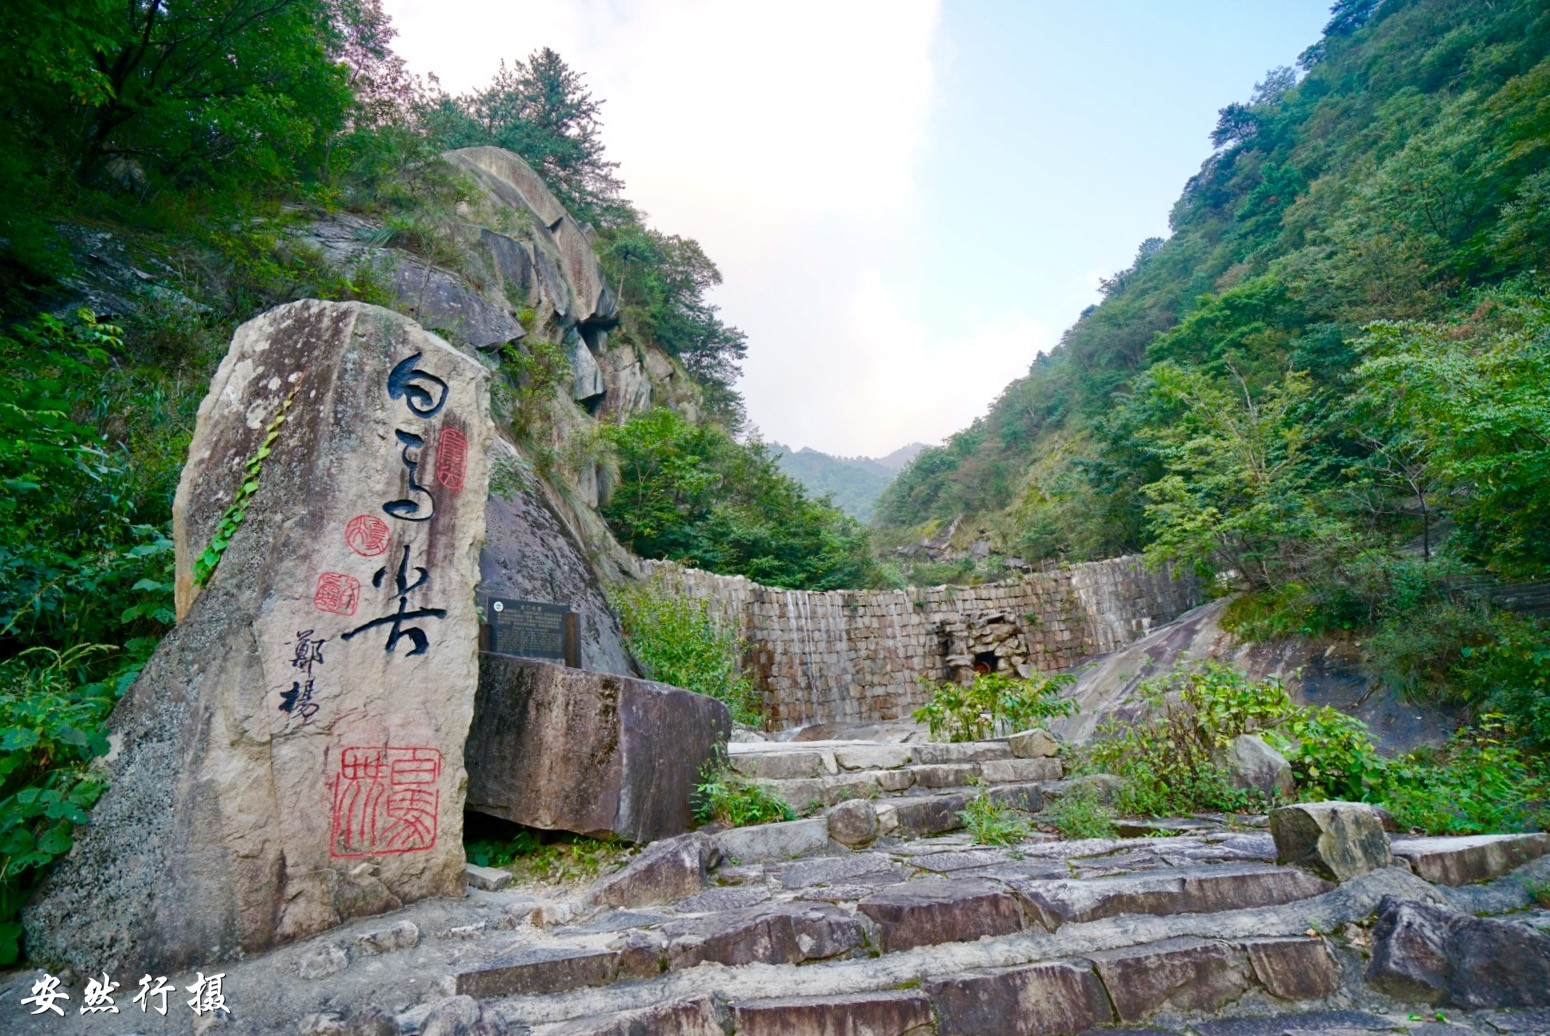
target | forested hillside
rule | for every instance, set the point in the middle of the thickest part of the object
(1332, 381)
(852, 483)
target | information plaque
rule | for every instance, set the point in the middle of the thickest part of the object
(531, 629)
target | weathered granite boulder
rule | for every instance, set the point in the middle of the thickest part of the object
(1254, 766)
(531, 553)
(597, 754)
(853, 823)
(1442, 956)
(291, 755)
(1336, 840)
(1034, 744)
(445, 303)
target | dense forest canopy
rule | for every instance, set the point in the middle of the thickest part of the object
(1329, 384)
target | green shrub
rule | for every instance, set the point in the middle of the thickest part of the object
(1478, 782)
(1168, 756)
(1080, 813)
(678, 642)
(993, 822)
(994, 704)
(1510, 673)
(725, 798)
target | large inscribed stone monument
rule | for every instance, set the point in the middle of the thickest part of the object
(292, 755)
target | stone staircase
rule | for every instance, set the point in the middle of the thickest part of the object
(915, 788)
(868, 920)
(785, 929)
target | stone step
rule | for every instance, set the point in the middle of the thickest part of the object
(873, 912)
(1072, 992)
(1169, 890)
(1471, 858)
(829, 789)
(785, 761)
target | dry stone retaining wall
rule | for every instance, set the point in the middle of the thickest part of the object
(858, 655)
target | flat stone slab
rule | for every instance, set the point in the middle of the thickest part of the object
(945, 775)
(1184, 890)
(830, 870)
(540, 970)
(1054, 997)
(1186, 974)
(925, 913)
(783, 841)
(1011, 771)
(780, 765)
(960, 752)
(874, 757)
(1472, 858)
(786, 934)
(853, 1014)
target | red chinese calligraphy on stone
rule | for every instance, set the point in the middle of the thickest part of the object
(337, 593)
(451, 458)
(367, 535)
(385, 801)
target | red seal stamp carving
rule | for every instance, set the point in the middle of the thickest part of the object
(337, 593)
(385, 801)
(451, 458)
(366, 535)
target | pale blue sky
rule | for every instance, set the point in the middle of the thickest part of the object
(909, 199)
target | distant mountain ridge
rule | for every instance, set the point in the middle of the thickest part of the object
(854, 483)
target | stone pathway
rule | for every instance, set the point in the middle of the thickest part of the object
(782, 929)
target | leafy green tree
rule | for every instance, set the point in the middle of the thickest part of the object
(1476, 397)
(541, 109)
(1242, 477)
(663, 281)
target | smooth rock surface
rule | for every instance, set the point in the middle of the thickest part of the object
(531, 553)
(309, 712)
(1336, 840)
(594, 753)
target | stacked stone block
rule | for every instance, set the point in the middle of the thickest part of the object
(860, 655)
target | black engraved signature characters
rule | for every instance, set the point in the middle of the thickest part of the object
(396, 621)
(306, 653)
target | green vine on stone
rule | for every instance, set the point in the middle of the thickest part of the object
(204, 567)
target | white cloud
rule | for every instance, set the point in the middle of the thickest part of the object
(893, 383)
(785, 137)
